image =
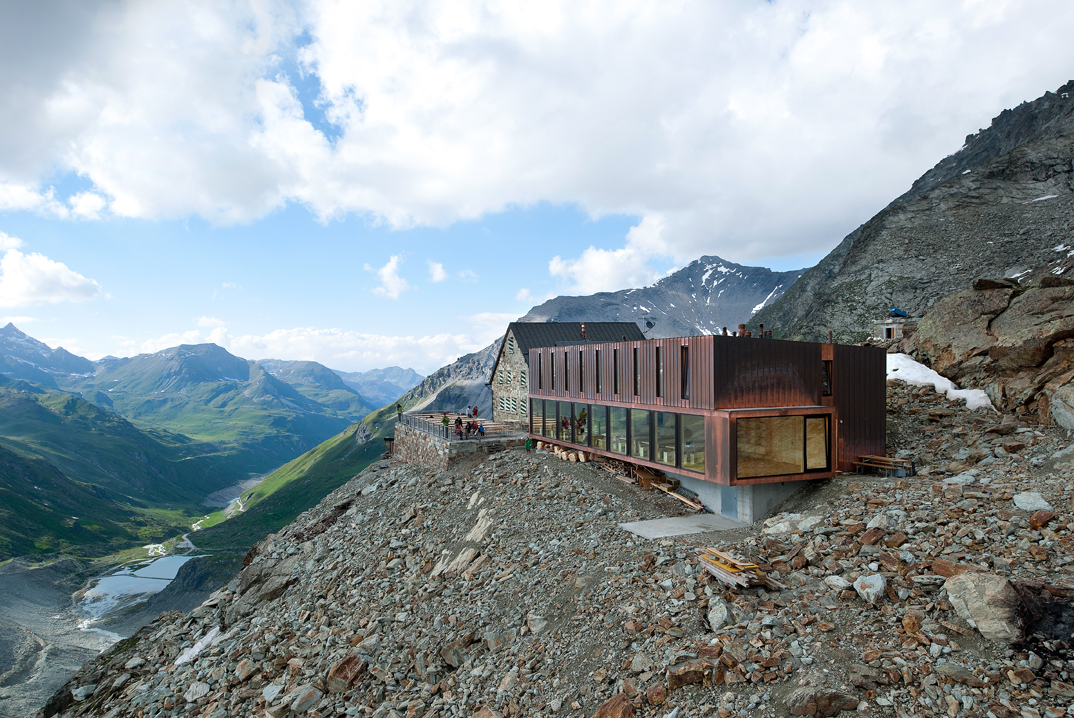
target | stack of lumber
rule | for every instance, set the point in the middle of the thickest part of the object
(736, 571)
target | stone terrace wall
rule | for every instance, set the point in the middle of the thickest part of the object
(417, 447)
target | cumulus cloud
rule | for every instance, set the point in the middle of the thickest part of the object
(391, 284)
(766, 128)
(339, 348)
(27, 279)
(87, 205)
(603, 270)
(436, 271)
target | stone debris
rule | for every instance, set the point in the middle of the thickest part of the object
(896, 597)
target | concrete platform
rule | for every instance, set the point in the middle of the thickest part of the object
(681, 526)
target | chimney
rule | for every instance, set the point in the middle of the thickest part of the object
(742, 330)
(829, 336)
(748, 334)
(725, 332)
(583, 331)
(762, 330)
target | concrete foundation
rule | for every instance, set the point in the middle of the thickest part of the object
(745, 504)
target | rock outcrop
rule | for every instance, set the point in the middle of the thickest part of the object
(999, 207)
(1015, 343)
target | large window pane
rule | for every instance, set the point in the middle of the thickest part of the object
(598, 423)
(549, 419)
(639, 434)
(693, 442)
(665, 437)
(566, 428)
(617, 429)
(581, 424)
(535, 407)
(770, 446)
(817, 442)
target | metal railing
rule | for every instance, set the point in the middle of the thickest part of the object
(433, 424)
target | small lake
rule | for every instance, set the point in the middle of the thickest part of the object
(125, 587)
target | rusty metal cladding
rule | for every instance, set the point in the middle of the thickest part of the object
(765, 373)
(727, 373)
(861, 402)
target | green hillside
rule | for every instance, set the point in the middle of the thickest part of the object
(293, 488)
(205, 393)
(42, 511)
(317, 382)
(97, 447)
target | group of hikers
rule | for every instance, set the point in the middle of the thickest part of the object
(463, 430)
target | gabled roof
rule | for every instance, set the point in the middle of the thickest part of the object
(549, 334)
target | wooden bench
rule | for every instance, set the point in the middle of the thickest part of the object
(890, 467)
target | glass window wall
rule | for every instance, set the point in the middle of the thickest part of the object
(617, 429)
(598, 427)
(566, 422)
(581, 424)
(693, 442)
(665, 437)
(549, 416)
(816, 439)
(640, 447)
(779, 445)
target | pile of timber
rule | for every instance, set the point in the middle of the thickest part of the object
(736, 571)
(647, 479)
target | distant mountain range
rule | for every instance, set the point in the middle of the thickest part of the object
(154, 433)
(701, 298)
(999, 207)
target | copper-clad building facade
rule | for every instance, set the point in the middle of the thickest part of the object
(728, 410)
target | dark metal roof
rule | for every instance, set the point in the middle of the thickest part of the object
(550, 334)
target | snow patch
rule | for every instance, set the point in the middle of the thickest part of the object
(760, 306)
(904, 368)
(1047, 196)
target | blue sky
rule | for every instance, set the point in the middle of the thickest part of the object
(390, 183)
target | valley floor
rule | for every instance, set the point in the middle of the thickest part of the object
(40, 641)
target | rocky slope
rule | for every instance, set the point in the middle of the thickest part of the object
(23, 357)
(507, 588)
(701, 298)
(999, 207)
(1016, 342)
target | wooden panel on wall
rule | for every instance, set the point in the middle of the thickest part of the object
(859, 393)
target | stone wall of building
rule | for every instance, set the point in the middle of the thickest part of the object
(510, 385)
(416, 447)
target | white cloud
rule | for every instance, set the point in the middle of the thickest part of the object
(603, 270)
(523, 295)
(87, 205)
(8, 242)
(18, 321)
(27, 279)
(765, 128)
(468, 275)
(339, 348)
(209, 322)
(436, 271)
(489, 326)
(391, 284)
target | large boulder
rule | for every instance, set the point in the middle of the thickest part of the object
(819, 702)
(989, 603)
(1025, 332)
(956, 329)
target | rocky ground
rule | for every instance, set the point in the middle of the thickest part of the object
(507, 588)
